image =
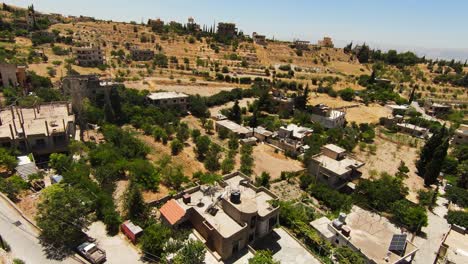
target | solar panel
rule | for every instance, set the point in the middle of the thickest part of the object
(398, 243)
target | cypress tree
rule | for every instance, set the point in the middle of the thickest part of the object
(434, 167)
(427, 153)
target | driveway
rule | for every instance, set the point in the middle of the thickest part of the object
(285, 248)
(22, 237)
(118, 249)
(433, 233)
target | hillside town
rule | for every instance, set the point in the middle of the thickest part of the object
(179, 142)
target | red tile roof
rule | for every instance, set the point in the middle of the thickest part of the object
(172, 211)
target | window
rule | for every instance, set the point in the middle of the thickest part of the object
(253, 221)
(40, 142)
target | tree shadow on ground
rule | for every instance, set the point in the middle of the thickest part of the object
(55, 252)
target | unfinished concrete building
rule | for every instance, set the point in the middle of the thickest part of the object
(42, 129)
(461, 135)
(328, 117)
(434, 109)
(89, 56)
(12, 75)
(192, 26)
(141, 54)
(259, 39)
(334, 167)
(169, 99)
(326, 42)
(454, 246)
(301, 44)
(227, 30)
(227, 216)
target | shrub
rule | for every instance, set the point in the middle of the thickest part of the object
(333, 199)
(459, 218)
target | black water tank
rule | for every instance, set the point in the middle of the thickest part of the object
(236, 197)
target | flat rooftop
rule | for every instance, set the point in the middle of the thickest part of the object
(457, 243)
(339, 167)
(221, 221)
(251, 200)
(166, 95)
(335, 148)
(412, 127)
(372, 234)
(35, 119)
(233, 126)
(298, 131)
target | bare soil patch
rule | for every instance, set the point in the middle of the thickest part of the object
(387, 159)
(267, 160)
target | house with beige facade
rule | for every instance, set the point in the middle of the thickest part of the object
(169, 100)
(228, 216)
(42, 129)
(334, 167)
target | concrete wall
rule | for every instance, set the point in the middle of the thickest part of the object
(8, 75)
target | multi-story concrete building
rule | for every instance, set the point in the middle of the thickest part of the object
(461, 135)
(227, 30)
(169, 99)
(259, 39)
(89, 56)
(432, 108)
(42, 129)
(454, 247)
(326, 42)
(371, 235)
(334, 168)
(192, 26)
(327, 117)
(141, 54)
(228, 216)
(301, 44)
(12, 75)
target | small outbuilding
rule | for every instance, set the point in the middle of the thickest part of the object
(132, 231)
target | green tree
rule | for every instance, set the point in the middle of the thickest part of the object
(347, 94)
(434, 167)
(212, 158)
(143, 173)
(427, 153)
(176, 146)
(173, 176)
(345, 255)
(62, 215)
(247, 161)
(192, 252)
(263, 180)
(235, 114)
(183, 132)
(134, 205)
(227, 165)
(7, 160)
(154, 239)
(414, 217)
(12, 186)
(263, 257)
(202, 145)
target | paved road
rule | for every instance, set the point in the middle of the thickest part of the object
(118, 249)
(22, 237)
(421, 110)
(435, 230)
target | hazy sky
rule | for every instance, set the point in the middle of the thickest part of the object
(430, 24)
